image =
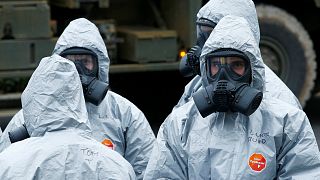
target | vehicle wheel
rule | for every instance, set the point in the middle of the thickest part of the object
(288, 50)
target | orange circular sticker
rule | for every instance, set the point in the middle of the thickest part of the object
(107, 142)
(257, 162)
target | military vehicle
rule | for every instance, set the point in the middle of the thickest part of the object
(145, 40)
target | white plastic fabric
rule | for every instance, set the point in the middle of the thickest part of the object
(60, 146)
(214, 10)
(275, 142)
(116, 118)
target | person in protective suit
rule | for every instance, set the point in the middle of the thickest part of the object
(229, 129)
(207, 18)
(115, 121)
(61, 144)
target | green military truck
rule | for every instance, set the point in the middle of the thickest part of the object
(144, 40)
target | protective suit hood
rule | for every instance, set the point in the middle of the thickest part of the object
(83, 33)
(116, 122)
(215, 10)
(274, 142)
(234, 32)
(53, 99)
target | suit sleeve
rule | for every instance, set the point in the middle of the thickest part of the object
(168, 160)
(139, 139)
(15, 122)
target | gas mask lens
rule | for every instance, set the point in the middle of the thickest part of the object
(204, 26)
(87, 61)
(204, 29)
(236, 65)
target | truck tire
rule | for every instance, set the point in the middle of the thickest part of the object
(288, 50)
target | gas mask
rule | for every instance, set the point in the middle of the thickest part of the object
(190, 64)
(204, 29)
(86, 63)
(229, 76)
